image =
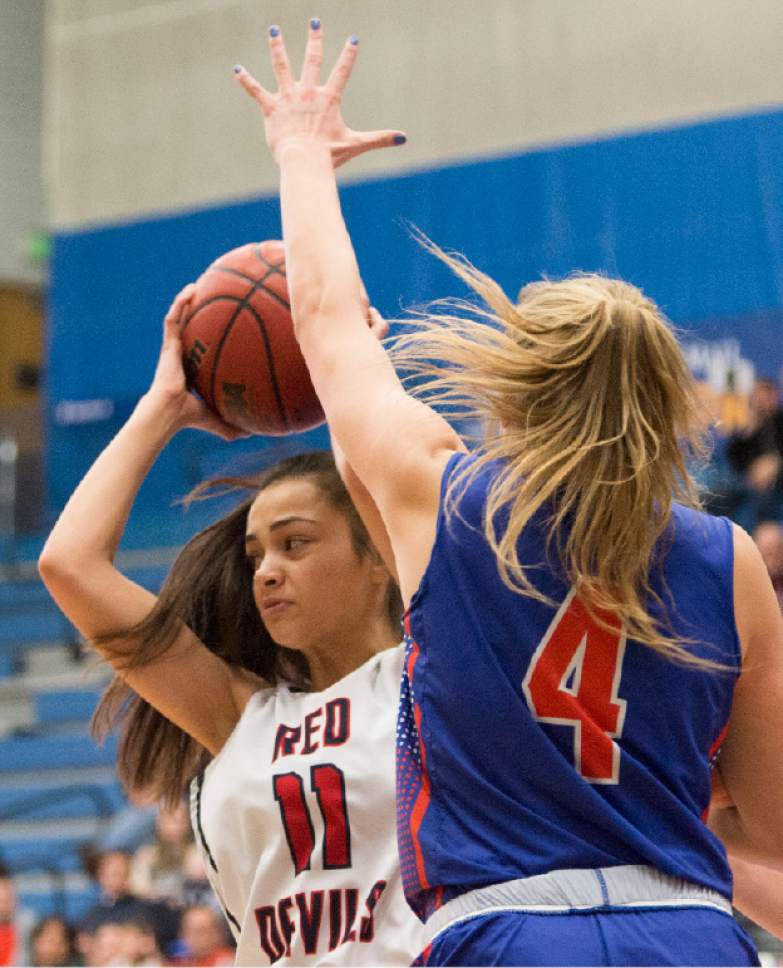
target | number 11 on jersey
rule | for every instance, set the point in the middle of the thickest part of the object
(573, 679)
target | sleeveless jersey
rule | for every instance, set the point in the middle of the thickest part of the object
(531, 739)
(295, 822)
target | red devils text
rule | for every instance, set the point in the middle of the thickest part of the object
(329, 725)
(323, 919)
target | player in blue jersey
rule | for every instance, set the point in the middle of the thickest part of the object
(578, 633)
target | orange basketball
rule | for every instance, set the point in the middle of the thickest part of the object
(240, 352)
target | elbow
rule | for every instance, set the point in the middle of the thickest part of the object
(770, 845)
(57, 568)
(306, 314)
(49, 564)
(53, 568)
(315, 307)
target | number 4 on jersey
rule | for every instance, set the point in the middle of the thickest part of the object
(573, 680)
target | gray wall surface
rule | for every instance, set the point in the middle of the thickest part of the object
(144, 115)
(21, 190)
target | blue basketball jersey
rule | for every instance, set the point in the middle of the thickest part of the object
(532, 739)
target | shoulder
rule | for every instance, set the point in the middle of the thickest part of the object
(756, 606)
(245, 685)
(748, 563)
(709, 537)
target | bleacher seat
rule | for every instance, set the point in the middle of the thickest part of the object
(58, 788)
(64, 705)
(50, 752)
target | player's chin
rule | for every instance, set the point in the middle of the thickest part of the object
(284, 627)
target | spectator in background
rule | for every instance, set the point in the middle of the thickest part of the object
(755, 456)
(118, 905)
(769, 540)
(141, 944)
(132, 825)
(126, 945)
(53, 944)
(203, 939)
(196, 888)
(15, 923)
(157, 870)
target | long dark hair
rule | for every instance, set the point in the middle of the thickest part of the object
(209, 589)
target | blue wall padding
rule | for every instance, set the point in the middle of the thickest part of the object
(693, 214)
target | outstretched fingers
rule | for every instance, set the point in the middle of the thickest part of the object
(280, 63)
(341, 71)
(362, 141)
(314, 55)
(254, 89)
(381, 139)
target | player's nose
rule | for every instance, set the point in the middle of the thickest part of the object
(269, 572)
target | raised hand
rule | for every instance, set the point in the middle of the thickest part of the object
(169, 388)
(308, 111)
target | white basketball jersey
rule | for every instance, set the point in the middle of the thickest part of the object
(295, 819)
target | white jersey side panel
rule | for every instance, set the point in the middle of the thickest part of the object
(295, 820)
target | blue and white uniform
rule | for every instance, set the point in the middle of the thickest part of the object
(533, 741)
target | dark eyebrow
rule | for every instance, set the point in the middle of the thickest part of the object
(280, 523)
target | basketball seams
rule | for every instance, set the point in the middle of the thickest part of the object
(272, 321)
(243, 302)
(272, 272)
(246, 304)
(219, 349)
(272, 369)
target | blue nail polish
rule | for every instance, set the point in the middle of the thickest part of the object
(274, 31)
(315, 23)
(237, 68)
(400, 139)
(354, 40)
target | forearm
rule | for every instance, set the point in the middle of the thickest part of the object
(367, 508)
(92, 523)
(323, 276)
(757, 893)
(742, 843)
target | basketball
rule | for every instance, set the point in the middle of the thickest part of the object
(239, 347)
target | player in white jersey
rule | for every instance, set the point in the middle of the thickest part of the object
(294, 819)
(267, 668)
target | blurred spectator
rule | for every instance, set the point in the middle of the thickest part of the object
(202, 939)
(126, 944)
(15, 923)
(769, 540)
(196, 888)
(715, 479)
(118, 906)
(53, 944)
(157, 870)
(116, 902)
(131, 826)
(755, 456)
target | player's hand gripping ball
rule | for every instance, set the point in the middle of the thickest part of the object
(240, 352)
